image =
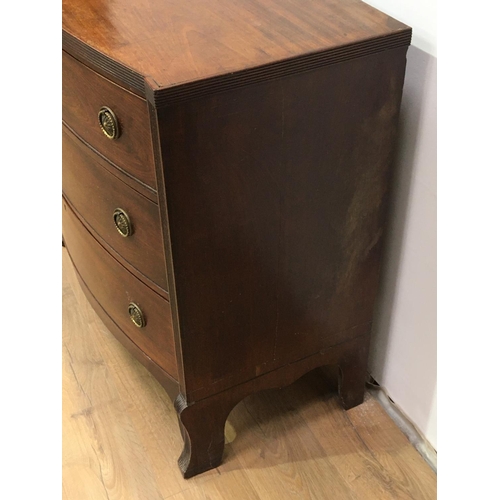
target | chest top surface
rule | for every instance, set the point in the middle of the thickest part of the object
(173, 42)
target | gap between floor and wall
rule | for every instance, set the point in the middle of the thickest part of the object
(409, 429)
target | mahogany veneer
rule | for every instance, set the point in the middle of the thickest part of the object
(84, 91)
(96, 192)
(247, 149)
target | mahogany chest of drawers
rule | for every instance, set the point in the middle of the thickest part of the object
(226, 168)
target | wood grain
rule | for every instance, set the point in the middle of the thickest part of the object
(276, 197)
(202, 422)
(94, 192)
(114, 288)
(173, 43)
(121, 439)
(272, 127)
(84, 93)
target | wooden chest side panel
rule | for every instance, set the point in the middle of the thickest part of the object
(276, 196)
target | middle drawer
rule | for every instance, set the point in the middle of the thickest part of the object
(106, 204)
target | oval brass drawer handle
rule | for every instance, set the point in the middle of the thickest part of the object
(122, 222)
(136, 315)
(108, 123)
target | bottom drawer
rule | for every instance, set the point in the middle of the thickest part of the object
(127, 301)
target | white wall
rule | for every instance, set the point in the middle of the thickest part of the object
(403, 351)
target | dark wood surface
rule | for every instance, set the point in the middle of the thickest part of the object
(276, 197)
(165, 224)
(295, 442)
(202, 423)
(113, 287)
(268, 128)
(84, 93)
(95, 193)
(166, 380)
(114, 169)
(173, 42)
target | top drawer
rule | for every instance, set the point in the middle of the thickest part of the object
(84, 94)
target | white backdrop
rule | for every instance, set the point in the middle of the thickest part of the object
(403, 351)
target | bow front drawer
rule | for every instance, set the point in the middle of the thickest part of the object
(142, 315)
(110, 119)
(126, 220)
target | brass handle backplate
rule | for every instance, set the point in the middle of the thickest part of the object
(108, 123)
(122, 222)
(136, 315)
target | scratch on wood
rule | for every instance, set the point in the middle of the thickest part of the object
(100, 473)
(88, 413)
(77, 381)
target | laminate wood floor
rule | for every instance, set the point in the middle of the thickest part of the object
(121, 438)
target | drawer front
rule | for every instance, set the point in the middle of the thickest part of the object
(115, 289)
(84, 94)
(96, 194)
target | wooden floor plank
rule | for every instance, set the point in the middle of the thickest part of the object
(121, 437)
(80, 461)
(351, 455)
(104, 417)
(393, 450)
(280, 453)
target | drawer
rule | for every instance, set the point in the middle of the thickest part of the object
(115, 288)
(84, 94)
(96, 194)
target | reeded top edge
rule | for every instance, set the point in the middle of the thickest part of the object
(170, 52)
